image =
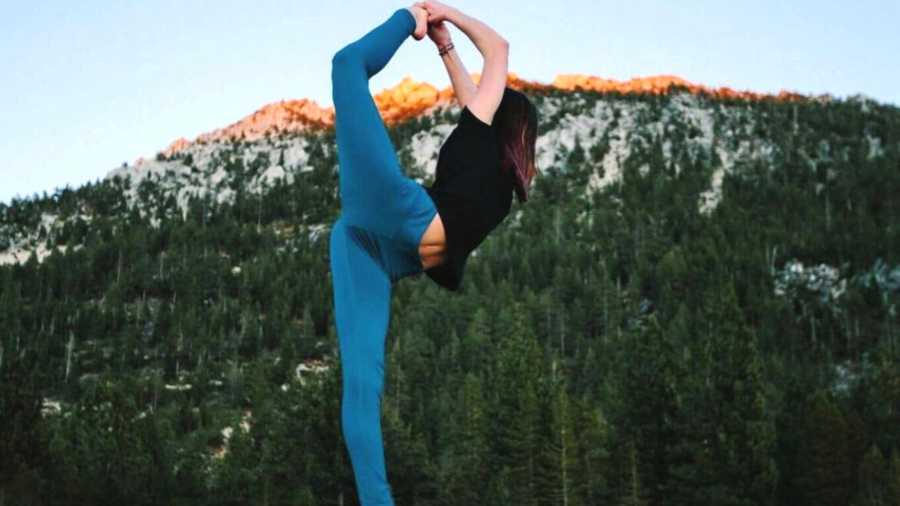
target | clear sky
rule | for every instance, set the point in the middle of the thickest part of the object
(88, 85)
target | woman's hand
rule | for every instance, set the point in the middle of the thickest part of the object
(437, 11)
(439, 33)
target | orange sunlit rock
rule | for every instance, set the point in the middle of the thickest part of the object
(176, 146)
(410, 98)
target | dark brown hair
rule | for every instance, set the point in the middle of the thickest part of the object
(516, 120)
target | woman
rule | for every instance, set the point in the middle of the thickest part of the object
(390, 226)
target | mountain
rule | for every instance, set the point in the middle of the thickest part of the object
(410, 98)
(697, 305)
(195, 167)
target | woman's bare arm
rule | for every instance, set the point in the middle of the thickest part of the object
(485, 100)
(463, 85)
(488, 41)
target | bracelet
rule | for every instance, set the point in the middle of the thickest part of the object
(445, 49)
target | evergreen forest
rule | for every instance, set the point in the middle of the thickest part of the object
(612, 344)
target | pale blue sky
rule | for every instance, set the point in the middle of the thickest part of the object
(88, 85)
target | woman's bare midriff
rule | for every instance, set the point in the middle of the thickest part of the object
(432, 247)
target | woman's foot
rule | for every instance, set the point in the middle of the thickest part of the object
(421, 16)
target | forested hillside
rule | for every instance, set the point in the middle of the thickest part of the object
(697, 305)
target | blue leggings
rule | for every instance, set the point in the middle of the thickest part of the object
(373, 244)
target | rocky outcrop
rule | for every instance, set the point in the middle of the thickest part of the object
(410, 98)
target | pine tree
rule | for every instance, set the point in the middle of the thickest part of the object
(742, 432)
(558, 458)
(825, 476)
(466, 457)
(872, 476)
(893, 479)
(594, 462)
(515, 409)
(649, 396)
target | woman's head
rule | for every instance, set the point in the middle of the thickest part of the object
(516, 120)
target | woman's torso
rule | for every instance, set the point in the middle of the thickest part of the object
(432, 247)
(468, 164)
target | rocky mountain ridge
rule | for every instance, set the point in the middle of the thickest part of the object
(610, 123)
(410, 98)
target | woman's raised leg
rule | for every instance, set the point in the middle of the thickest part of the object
(371, 181)
(362, 303)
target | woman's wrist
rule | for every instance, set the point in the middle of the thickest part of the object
(445, 48)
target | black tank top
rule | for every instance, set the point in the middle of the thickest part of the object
(470, 193)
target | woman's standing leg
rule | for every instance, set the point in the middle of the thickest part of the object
(373, 187)
(362, 298)
(375, 196)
